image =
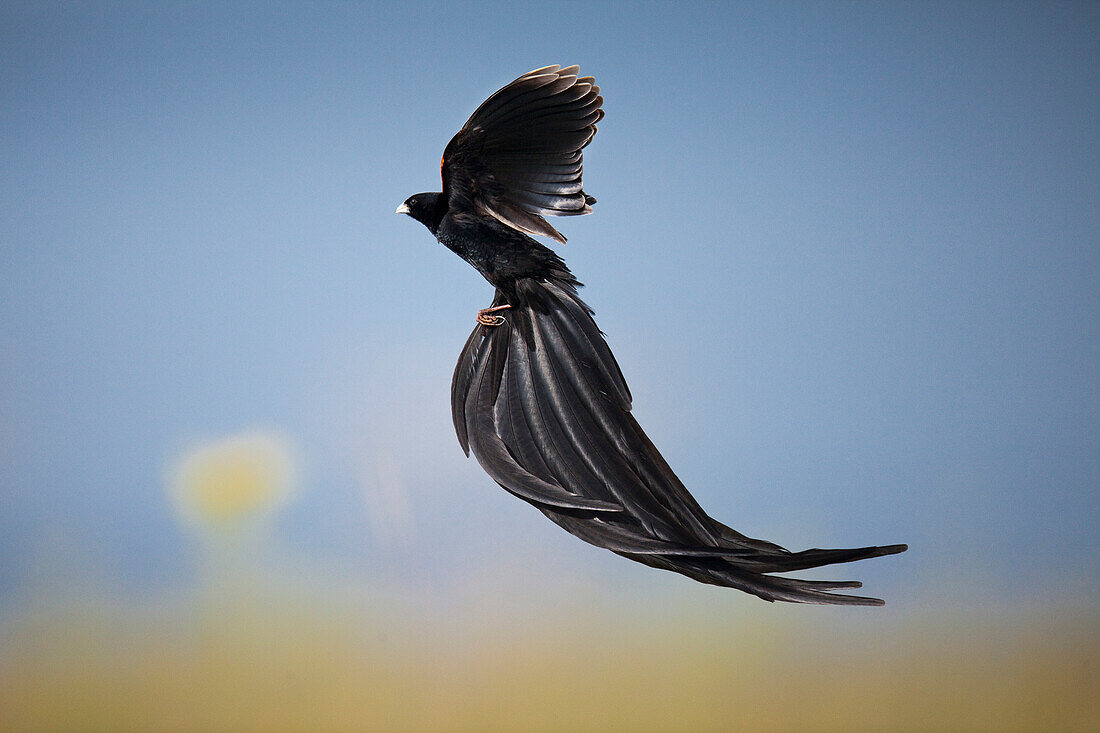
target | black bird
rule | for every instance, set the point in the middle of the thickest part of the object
(537, 395)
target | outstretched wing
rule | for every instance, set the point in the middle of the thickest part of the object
(518, 157)
(541, 403)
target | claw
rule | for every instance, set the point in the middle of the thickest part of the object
(487, 317)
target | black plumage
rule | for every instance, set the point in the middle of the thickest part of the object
(537, 395)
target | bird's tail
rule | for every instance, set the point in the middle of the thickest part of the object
(749, 569)
(540, 401)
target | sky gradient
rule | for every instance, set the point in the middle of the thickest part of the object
(847, 255)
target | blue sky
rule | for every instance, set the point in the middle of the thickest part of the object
(847, 255)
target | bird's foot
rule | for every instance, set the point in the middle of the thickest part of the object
(488, 317)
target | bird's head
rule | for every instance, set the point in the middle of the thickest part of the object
(424, 207)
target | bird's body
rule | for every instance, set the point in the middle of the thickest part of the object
(537, 395)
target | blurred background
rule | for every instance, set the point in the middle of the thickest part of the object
(847, 255)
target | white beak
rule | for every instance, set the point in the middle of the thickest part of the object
(402, 209)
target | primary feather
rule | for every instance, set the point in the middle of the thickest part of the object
(518, 157)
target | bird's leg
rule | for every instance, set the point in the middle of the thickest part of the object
(487, 317)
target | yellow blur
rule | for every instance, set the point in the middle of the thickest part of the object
(302, 668)
(249, 647)
(233, 479)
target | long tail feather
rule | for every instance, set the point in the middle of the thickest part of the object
(543, 406)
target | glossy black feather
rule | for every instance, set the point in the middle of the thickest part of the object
(560, 413)
(518, 157)
(539, 399)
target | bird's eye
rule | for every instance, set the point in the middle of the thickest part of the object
(412, 201)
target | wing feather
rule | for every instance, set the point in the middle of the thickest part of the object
(518, 158)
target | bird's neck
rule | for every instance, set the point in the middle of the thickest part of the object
(434, 215)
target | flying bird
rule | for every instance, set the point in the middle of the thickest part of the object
(537, 395)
